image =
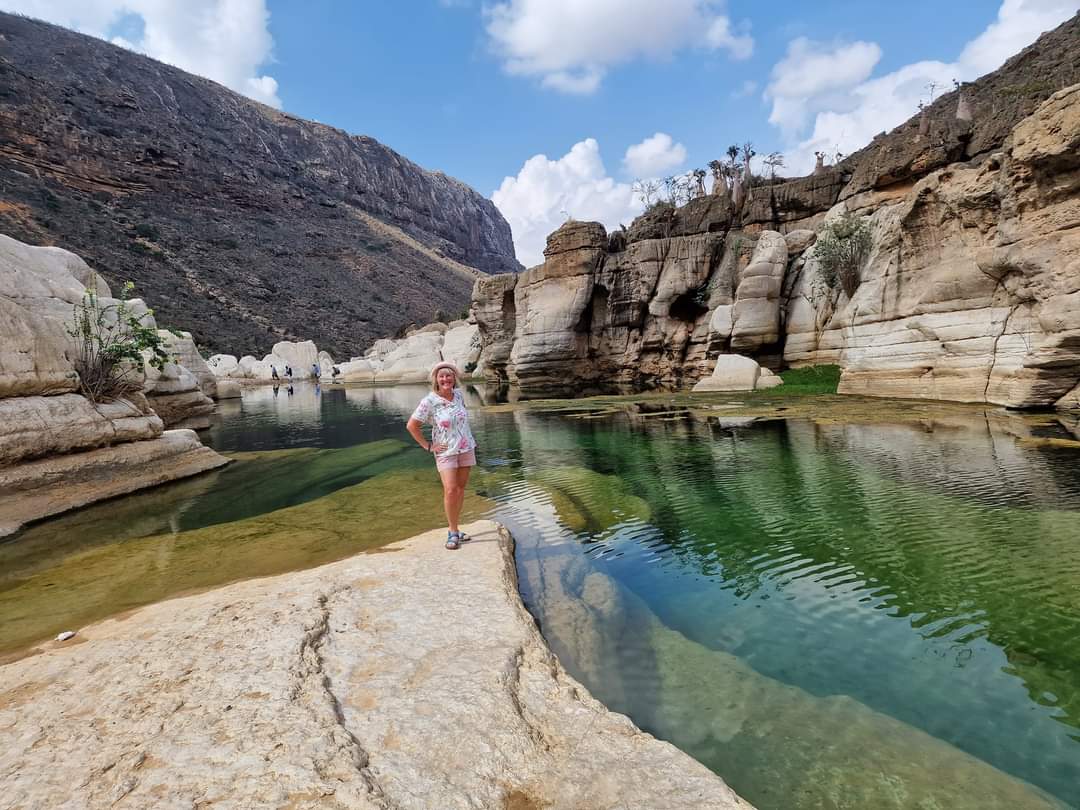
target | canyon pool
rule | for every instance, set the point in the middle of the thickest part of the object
(864, 612)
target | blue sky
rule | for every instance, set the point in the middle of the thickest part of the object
(537, 102)
(424, 79)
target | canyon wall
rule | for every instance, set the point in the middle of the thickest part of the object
(246, 224)
(970, 291)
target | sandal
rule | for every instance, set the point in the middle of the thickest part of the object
(464, 538)
(453, 541)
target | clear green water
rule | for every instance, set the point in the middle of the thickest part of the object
(829, 616)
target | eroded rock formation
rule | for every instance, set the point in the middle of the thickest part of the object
(59, 450)
(970, 291)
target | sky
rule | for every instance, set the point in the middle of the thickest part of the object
(554, 107)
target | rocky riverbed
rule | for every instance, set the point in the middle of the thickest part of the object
(408, 678)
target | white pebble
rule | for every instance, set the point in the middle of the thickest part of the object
(66, 635)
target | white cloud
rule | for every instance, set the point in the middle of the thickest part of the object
(1018, 24)
(545, 192)
(719, 35)
(224, 40)
(569, 45)
(654, 156)
(813, 76)
(846, 116)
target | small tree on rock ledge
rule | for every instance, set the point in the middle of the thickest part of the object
(841, 249)
(110, 342)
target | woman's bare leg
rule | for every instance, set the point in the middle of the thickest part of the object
(462, 482)
(452, 496)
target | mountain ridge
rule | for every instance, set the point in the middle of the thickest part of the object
(234, 219)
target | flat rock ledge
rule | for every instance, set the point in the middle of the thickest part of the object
(50, 486)
(410, 678)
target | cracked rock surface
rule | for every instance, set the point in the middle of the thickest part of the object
(410, 678)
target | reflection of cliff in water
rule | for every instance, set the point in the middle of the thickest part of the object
(778, 745)
(862, 554)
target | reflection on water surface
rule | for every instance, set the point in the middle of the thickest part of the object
(829, 615)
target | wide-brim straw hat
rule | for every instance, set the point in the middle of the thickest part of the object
(444, 364)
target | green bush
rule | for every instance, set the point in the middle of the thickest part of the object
(841, 249)
(110, 340)
(147, 231)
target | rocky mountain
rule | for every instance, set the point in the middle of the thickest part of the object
(967, 289)
(238, 222)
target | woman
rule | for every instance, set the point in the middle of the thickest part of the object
(451, 441)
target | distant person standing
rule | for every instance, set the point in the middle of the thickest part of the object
(273, 373)
(334, 372)
(316, 372)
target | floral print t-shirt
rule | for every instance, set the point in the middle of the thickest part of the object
(449, 423)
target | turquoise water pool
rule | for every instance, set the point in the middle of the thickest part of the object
(828, 615)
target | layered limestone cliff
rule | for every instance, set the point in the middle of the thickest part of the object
(247, 224)
(59, 450)
(343, 686)
(971, 290)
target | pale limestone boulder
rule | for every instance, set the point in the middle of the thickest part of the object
(357, 371)
(34, 355)
(734, 372)
(264, 369)
(799, 240)
(172, 378)
(39, 290)
(301, 356)
(412, 359)
(437, 327)
(183, 347)
(47, 280)
(461, 346)
(36, 426)
(766, 379)
(183, 409)
(246, 367)
(229, 389)
(329, 688)
(756, 314)
(495, 310)
(326, 364)
(176, 396)
(551, 301)
(57, 484)
(223, 365)
(721, 321)
(381, 347)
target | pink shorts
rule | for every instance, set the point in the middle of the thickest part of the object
(457, 460)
